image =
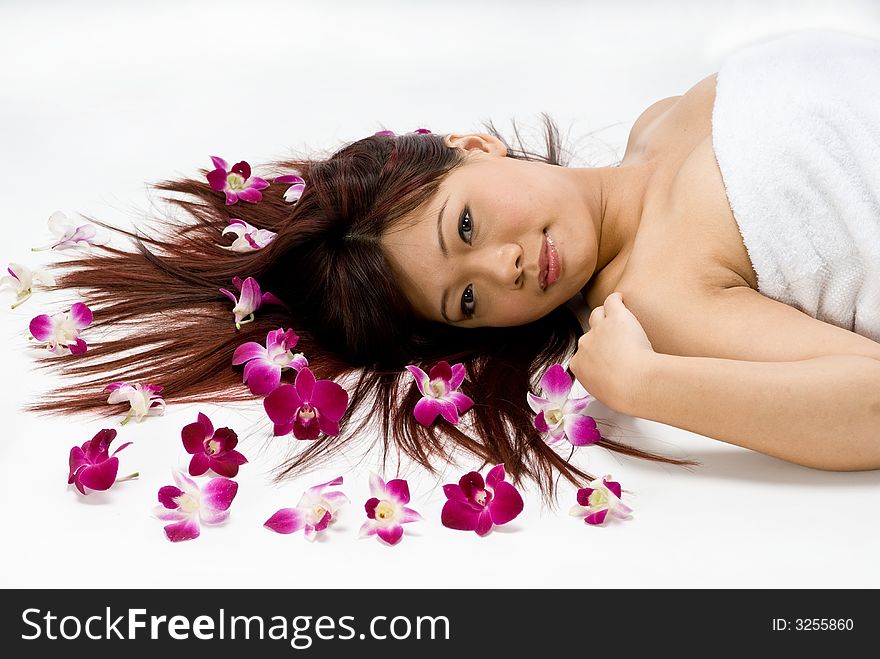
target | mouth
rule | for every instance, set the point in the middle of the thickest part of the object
(549, 263)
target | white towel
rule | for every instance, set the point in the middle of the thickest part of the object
(796, 131)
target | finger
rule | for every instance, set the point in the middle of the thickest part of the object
(598, 314)
(614, 300)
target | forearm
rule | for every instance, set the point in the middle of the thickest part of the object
(822, 412)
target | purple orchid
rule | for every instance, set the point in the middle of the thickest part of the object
(560, 416)
(473, 505)
(69, 235)
(262, 372)
(143, 398)
(22, 279)
(248, 238)
(211, 449)
(236, 183)
(307, 407)
(187, 505)
(92, 466)
(439, 395)
(602, 497)
(294, 192)
(315, 511)
(390, 133)
(387, 511)
(61, 331)
(251, 298)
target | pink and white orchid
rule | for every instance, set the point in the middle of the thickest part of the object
(251, 298)
(21, 279)
(61, 331)
(69, 235)
(248, 238)
(602, 497)
(187, 505)
(262, 372)
(473, 505)
(387, 511)
(560, 416)
(211, 449)
(143, 398)
(307, 407)
(92, 466)
(315, 511)
(236, 183)
(439, 395)
(294, 192)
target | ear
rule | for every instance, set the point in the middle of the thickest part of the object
(475, 143)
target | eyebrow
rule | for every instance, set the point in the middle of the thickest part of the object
(445, 253)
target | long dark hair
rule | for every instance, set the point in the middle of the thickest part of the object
(174, 328)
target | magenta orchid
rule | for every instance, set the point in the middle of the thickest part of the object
(251, 298)
(560, 416)
(262, 372)
(474, 505)
(92, 466)
(69, 235)
(21, 279)
(602, 497)
(307, 407)
(236, 183)
(387, 511)
(187, 505)
(248, 238)
(211, 449)
(61, 331)
(315, 511)
(294, 192)
(439, 395)
(143, 398)
(390, 133)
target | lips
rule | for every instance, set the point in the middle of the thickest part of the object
(549, 263)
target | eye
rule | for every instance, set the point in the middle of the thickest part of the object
(466, 225)
(468, 304)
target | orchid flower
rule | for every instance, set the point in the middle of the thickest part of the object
(439, 395)
(68, 235)
(294, 192)
(143, 398)
(307, 407)
(600, 498)
(22, 279)
(561, 416)
(387, 511)
(92, 466)
(248, 238)
(391, 133)
(315, 511)
(211, 449)
(262, 372)
(186, 504)
(236, 183)
(61, 331)
(251, 298)
(473, 505)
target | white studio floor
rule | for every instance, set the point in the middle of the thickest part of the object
(100, 99)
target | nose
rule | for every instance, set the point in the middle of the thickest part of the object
(507, 266)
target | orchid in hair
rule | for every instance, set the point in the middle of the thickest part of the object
(391, 133)
(211, 449)
(186, 505)
(251, 298)
(93, 467)
(561, 416)
(308, 407)
(21, 279)
(236, 183)
(69, 235)
(262, 372)
(439, 395)
(294, 192)
(61, 331)
(248, 238)
(475, 505)
(144, 399)
(386, 510)
(601, 498)
(315, 511)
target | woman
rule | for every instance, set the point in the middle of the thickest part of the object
(410, 249)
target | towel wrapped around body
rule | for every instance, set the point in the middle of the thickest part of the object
(796, 133)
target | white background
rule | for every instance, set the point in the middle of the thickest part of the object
(99, 99)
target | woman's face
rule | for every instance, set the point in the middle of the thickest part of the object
(470, 257)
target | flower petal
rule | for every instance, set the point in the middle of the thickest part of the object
(397, 489)
(219, 493)
(81, 315)
(459, 515)
(100, 476)
(581, 430)
(194, 436)
(555, 384)
(167, 494)
(426, 410)
(484, 523)
(330, 398)
(286, 520)
(507, 504)
(42, 327)
(596, 518)
(282, 404)
(390, 534)
(421, 378)
(262, 376)
(248, 351)
(496, 475)
(188, 529)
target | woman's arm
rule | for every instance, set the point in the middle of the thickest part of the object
(822, 412)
